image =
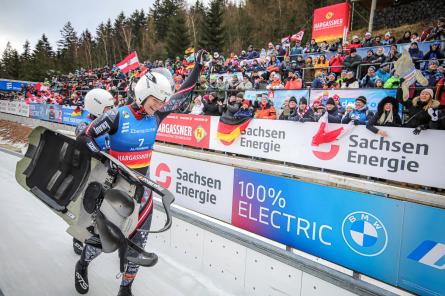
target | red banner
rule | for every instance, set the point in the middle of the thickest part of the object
(185, 129)
(330, 22)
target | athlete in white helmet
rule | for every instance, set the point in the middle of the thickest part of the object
(97, 102)
(132, 131)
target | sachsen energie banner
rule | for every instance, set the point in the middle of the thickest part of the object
(330, 22)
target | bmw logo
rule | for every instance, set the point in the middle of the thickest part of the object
(364, 234)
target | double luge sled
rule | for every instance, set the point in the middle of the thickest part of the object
(98, 197)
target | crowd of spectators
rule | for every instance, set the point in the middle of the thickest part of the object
(219, 90)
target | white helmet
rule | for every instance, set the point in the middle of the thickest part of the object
(96, 100)
(152, 84)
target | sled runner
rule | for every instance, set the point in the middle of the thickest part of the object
(98, 197)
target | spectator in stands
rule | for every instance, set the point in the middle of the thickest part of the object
(321, 65)
(284, 109)
(440, 93)
(233, 84)
(387, 115)
(296, 50)
(303, 113)
(386, 39)
(244, 111)
(379, 56)
(211, 106)
(393, 54)
(275, 82)
(335, 45)
(245, 84)
(336, 63)
(196, 107)
(355, 42)
(265, 109)
(281, 51)
(367, 42)
(243, 55)
(349, 108)
(432, 74)
(377, 41)
(221, 86)
(438, 32)
(434, 52)
(415, 53)
(260, 82)
(406, 38)
(271, 50)
(308, 70)
(315, 105)
(378, 83)
(331, 108)
(361, 114)
(255, 67)
(350, 81)
(299, 64)
(416, 110)
(353, 60)
(369, 57)
(368, 81)
(318, 81)
(332, 82)
(229, 109)
(289, 109)
(342, 77)
(294, 81)
(392, 82)
(415, 37)
(274, 64)
(383, 73)
(313, 47)
(251, 53)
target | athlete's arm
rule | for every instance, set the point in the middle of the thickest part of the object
(184, 92)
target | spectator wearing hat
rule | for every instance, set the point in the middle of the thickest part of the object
(416, 110)
(243, 55)
(355, 42)
(255, 67)
(342, 77)
(378, 83)
(415, 53)
(260, 82)
(211, 106)
(244, 111)
(303, 113)
(369, 57)
(386, 39)
(406, 38)
(336, 63)
(245, 84)
(387, 115)
(434, 52)
(361, 114)
(232, 85)
(432, 74)
(393, 54)
(349, 108)
(294, 81)
(368, 81)
(264, 109)
(367, 42)
(196, 107)
(383, 73)
(353, 60)
(332, 82)
(275, 82)
(252, 53)
(350, 81)
(289, 109)
(392, 82)
(229, 109)
(318, 81)
(332, 109)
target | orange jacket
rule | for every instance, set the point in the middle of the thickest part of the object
(294, 84)
(266, 112)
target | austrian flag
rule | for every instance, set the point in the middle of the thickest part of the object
(130, 62)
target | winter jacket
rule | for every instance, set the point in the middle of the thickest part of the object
(416, 54)
(432, 77)
(392, 82)
(368, 81)
(417, 113)
(333, 115)
(253, 55)
(433, 54)
(378, 59)
(211, 108)
(396, 120)
(243, 113)
(228, 111)
(352, 62)
(295, 51)
(367, 43)
(350, 83)
(383, 75)
(336, 63)
(286, 113)
(360, 117)
(307, 116)
(440, 92)
(321, 67)
(265, 111)
(294, 83)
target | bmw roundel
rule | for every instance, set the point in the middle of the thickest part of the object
(364, 234)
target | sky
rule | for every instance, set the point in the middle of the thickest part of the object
(22, 20)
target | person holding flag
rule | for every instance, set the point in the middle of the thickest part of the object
(153, 101)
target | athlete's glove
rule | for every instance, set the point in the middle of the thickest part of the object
(433, 114)
(89, 143)
(201, 57)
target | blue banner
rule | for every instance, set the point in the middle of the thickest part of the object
(72, 119)
(276, 96)
(36, 110)
(398, 242)
(9, 85)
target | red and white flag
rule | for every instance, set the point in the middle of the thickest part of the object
(130, 62)
(326, 135)
(285, 39)
(297, 37)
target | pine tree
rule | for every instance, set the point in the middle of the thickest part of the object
(10, 63)
(42, 60)
(197, 22)
(214, 31)
(67, 48)
(25, 72)
(162, 12)
(178, 36)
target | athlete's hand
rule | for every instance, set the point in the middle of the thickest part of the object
(89, 143)
(417, 130)
(201, 57)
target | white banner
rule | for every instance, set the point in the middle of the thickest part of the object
(401, 156)
(17, 108)
(4, 106)
(200, 186)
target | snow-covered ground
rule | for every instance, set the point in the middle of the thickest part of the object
(36, 255)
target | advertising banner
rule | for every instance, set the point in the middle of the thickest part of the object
(35, 110)
(53, 113)
(402, 156)
(185, 129)
(14, 107)
(356, 230)
(330, 22)
(373, 96)
(10, 85)
(4, 106)
(197, 185)
(422, 259)
(276, 96)
(68, 118)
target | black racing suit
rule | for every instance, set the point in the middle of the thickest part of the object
(110, 121)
